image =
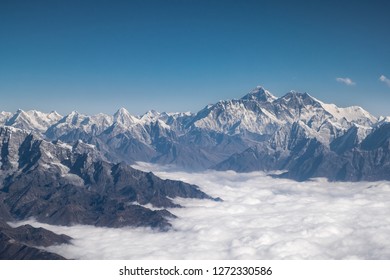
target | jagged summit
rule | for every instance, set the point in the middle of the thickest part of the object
(30, 120)
(259, 94)
(54, 115)
(74, 112)
(383, 119)
(123, 117)
(121, 111)
(301, 97)
(151, 115)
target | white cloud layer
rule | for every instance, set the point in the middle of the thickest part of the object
(260, 218)
(346, 81)
(384, 79)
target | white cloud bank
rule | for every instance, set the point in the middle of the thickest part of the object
(260, 218)
(346, 81)
(384, 79)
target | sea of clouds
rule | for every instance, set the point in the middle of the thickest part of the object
(260, 218)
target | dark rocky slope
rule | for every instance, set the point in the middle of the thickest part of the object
(20, 243)
(345, 159)
(64, 185)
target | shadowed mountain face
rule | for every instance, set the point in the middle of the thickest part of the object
(344, 159)
(64, 185)
(20, 243)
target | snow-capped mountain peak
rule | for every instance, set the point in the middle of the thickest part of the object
(150, 116)
(4, 116)
(123, 117)
(259, 94)
(382, 120)
(354, 114)
(32, 120)
(53, 115)
(294, 99)
(74, 118)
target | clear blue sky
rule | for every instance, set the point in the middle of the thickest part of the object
(180, 55)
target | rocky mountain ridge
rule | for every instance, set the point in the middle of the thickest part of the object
(21, 243)
(62, 184)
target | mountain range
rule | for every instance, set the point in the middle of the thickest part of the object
(75, 169)
(295, 133)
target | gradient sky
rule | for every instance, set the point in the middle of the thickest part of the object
(179, 55)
